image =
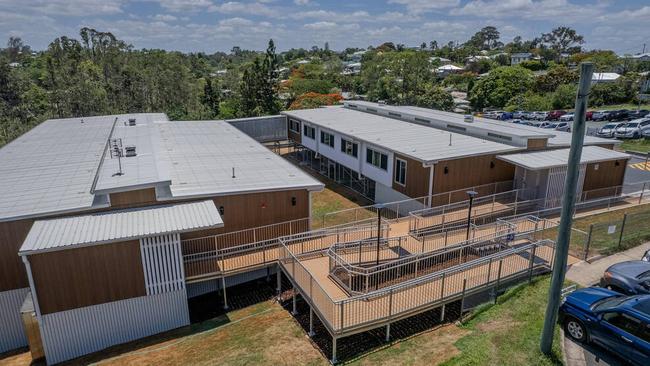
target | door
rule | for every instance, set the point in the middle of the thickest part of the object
(617, 332)
(555, 185)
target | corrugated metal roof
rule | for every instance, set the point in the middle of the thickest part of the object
(560, 157)
(52, 168)
(555, 138)
(201, 155)
(419, 142)
(104, 227)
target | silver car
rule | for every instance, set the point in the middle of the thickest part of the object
(632, 129)
(608, 130)
(563, 126)
(566, 117)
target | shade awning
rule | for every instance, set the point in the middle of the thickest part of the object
(554, 158)
(112, 226)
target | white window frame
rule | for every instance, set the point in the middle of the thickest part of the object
(397, 171)
(311, 128)
(347, 147)
(291, 126)
(326, 138)
(376, 154)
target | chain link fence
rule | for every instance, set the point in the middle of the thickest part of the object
(614, 236)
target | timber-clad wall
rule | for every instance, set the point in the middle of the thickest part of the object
(70, 279)
(136, 198)
(12, 269)
(252, 210)
(537, 144)
(417, 178)
(472, 171)
(608, 174)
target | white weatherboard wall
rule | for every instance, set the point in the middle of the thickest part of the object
(12, 331)
(77, 332)
(73, 333)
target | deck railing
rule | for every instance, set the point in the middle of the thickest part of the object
(352, 265)
(401, 209)
(407, 298)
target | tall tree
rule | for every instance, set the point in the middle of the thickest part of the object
(563, 39)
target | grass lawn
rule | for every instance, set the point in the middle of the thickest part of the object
(508, 333)
(336, 198)
(639, 145)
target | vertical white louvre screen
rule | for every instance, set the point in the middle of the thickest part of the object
(556, 180)
(162, 262)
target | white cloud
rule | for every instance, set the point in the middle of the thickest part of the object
(301, 2)
(235, 7)
(185, 5)
(423, 6)
(550, 10)
(64, 7)
(164, 17)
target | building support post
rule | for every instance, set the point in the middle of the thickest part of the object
(225, 297)
(568, 206)
(294, 310)
(279, 282)
(311, 322)
(334, 360)
(387, 332)
(442, 313)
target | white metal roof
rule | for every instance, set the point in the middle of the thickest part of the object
(200, 157)
(422, 143)
(112, 226)
(560, 157)
(604, 76)
(52, 168)
(555, 138)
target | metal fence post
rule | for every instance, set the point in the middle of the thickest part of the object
(532, 263)
(496, 287)
(588, 243)
(642, 191)
(342, 316)
(462, 300)
(620, 237)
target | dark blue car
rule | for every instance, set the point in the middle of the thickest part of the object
(616, 322)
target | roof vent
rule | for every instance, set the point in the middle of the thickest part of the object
(468, 118)
(129, 151)
(131, 121)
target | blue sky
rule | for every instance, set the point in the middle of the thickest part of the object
(211, 25)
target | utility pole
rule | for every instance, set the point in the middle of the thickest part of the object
(568, 206)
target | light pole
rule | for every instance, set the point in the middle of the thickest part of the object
(471, 195)
(379, 207)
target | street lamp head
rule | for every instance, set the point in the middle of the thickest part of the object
(472, 193)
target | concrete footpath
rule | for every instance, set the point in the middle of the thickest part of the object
(587, 274)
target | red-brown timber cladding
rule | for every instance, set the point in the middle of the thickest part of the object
(417, 178)
(241, 211)
(468, 172)
(70, 279)
(601, 182)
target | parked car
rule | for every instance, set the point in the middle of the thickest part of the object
(517, 122)
(519, 114)
(619, 323)
(563, 126)
(589, 115)
(567, 117)
(645, 132)
(549, 125)
(600, 115)
(619, 115)
(504, 115)
(491, 114)
(608, 129)
(629, 277)
(555, 115)
(528, 115)
(632, 129)
(639, 113)
(541, 116)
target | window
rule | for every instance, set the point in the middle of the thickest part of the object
(377, 159)
(400, 171)
(294, 126)
(372, 110)
(393, 114)
(623, 322)
(422, 120)
(327, 138)
(498, 136)
(349, 147)
(458, 128)
(309, 131)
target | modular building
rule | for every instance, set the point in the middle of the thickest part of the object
(392, 153)
(98, 208)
